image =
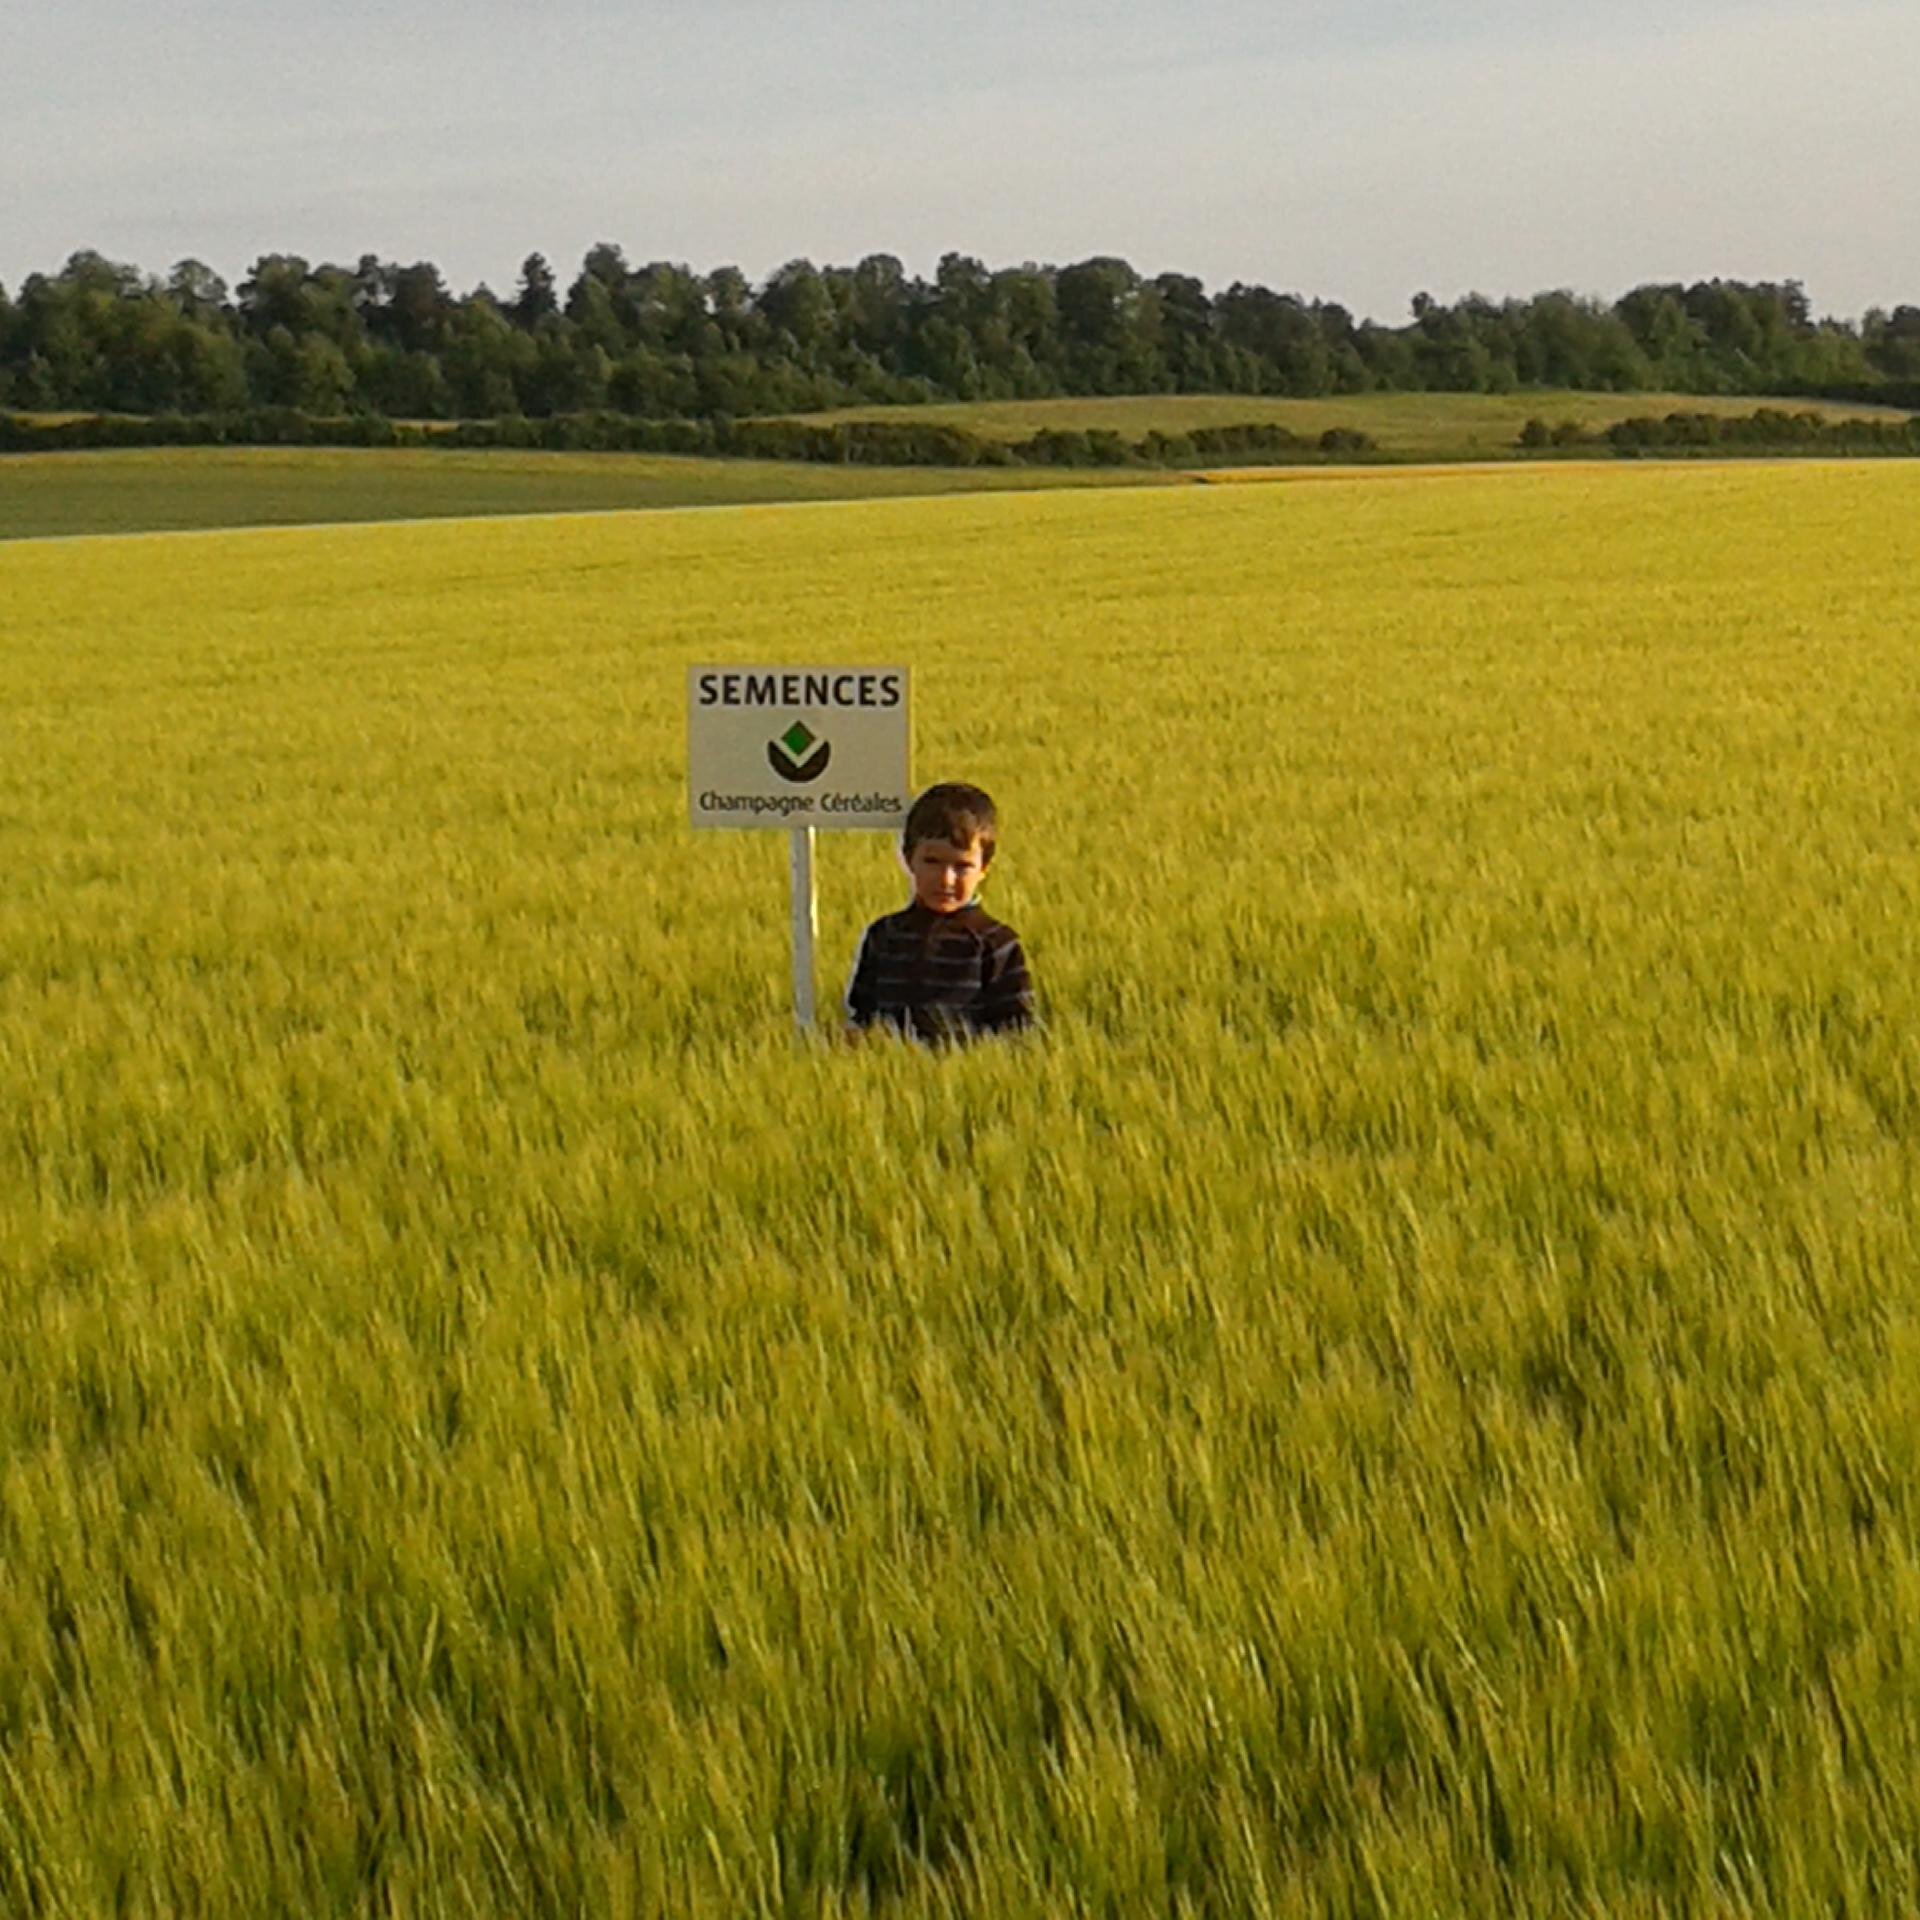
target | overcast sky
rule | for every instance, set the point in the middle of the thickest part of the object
(1358, 150)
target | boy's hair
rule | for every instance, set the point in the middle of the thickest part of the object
(953, 812)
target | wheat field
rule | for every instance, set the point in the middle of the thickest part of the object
(1400, 1402)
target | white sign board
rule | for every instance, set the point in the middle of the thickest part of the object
(798, 747)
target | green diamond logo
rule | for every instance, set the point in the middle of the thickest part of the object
(799, 754)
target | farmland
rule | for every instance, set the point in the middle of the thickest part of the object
(1400, 1402)
(191, 488)
(201, 487)
(1406, 426)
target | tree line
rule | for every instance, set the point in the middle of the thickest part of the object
(893, 441)
(663, 342)
(1767, 430)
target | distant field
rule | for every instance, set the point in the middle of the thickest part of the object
(175, 488)
(1417, 425)
(1400, 1403)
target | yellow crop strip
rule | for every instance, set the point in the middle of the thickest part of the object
(1402, 1401)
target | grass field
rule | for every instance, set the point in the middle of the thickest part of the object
(1418, 426)
(173, 490)
(1400, 1403)
(178, 489)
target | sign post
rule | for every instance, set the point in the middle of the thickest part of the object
(803, 748)
(806, 926)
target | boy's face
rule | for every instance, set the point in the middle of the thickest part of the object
(945, 877)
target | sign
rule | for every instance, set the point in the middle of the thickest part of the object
(798, 747)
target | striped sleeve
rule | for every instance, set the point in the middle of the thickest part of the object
(862, 1000)
(1006, 990)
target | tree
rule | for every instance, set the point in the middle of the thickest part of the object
(1893, 342)
(606, 263)
(484, 360)
(949, 358)
(669, 307)
(405, 384)
(1283, 337)
(1347, 366)
(565, 377)
(212, 370)
(35, 389)
(1098, 302)
(1671, 341)
(1188, 331)
(876, 306)
(536, 298)
(197, 291)
(963, 291)
(654, 385)
(320, 380)
(89, 272)
(603, 296)
(416, 317)
(1026, 297)
(590, 311)
(730, 301)
(795, 302)
(274, 294)
(63, 360)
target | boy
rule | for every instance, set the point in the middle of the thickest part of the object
(942, 968)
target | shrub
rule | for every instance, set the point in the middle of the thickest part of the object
(1056, 447)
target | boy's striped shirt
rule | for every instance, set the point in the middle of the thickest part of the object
(941, 976)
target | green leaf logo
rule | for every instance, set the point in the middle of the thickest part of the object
(799, 754)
